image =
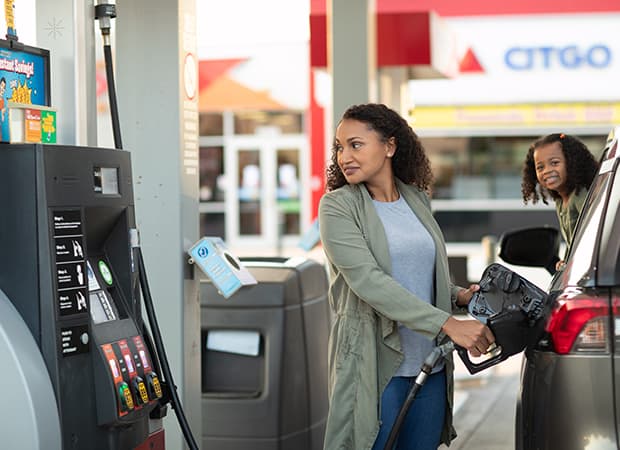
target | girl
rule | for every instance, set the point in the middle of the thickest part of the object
(564, 168)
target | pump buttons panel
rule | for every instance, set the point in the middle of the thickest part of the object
(130, 368)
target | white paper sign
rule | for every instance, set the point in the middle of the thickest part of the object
(241, 342)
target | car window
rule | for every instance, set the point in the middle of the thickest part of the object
(608, 273)
(580, 262)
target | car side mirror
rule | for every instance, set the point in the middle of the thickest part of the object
(533, 247)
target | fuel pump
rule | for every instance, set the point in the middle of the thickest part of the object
(72, 277)
(68, 268)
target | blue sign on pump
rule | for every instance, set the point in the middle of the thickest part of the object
(598, 56)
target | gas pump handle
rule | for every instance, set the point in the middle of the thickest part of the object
(473, 368)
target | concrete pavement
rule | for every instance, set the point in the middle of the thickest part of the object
(485, 406)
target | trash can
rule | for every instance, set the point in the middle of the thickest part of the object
(264, 359)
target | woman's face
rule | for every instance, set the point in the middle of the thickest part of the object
(361, 155)
(550, 165)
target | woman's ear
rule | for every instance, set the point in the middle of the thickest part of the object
(391, 147)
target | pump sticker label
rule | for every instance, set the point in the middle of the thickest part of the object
(67, 223)
(74, 340)
(71, 275)
(69, 251)
(72, 302)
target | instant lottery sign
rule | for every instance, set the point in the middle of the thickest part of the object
(23, 79)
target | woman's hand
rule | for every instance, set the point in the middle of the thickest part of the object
(464, 295)
(470, 334)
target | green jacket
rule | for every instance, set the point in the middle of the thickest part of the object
(364, 344)
(568, 216)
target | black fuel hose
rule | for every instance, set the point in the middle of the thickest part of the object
(427, 367)
(109, 70)
(161, 353)
(104, 12)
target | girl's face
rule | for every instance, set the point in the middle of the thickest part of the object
(550, 165)
(361, 155)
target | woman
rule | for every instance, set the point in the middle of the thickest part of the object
(389, 287)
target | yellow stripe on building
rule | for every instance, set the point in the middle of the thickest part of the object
(517, 115)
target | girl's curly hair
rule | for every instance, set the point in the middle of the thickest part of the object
(581, 167)
(409, 163)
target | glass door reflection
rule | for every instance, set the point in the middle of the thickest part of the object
(288, 191)
(265, 209)
(250, 192)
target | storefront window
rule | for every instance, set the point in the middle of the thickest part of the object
(288, 190)
(211, 124)
(250, 122)
(212, 174)
(485, 167)
(250, 192)
(213, 224)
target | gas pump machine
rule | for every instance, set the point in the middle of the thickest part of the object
(77, 356)
(68, 266)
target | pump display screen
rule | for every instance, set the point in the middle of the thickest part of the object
(105, 180)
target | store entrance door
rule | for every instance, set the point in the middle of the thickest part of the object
(266, 205)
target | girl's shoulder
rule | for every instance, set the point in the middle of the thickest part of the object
(578, 199)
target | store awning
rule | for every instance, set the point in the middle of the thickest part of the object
(420, 40)
(220, 92)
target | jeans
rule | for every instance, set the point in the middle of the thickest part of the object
(421, 429)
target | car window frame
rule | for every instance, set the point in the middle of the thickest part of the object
(608, 273)
(582, 260)
(580, 263)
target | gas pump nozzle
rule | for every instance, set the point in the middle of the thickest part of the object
(512, 308)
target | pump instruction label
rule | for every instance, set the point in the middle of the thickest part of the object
(69, 251)
(74, 340)
(68, 223)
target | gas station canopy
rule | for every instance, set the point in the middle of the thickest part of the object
(419, 40)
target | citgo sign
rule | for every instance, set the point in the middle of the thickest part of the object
(598, 56)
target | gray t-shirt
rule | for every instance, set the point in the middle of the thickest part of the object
(412, 252)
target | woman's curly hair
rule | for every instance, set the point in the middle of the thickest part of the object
(409, 162)
(581, 167)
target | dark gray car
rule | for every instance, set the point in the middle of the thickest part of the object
(570, 380)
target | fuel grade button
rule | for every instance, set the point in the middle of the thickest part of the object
(126, 399)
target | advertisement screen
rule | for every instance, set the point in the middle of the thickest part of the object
(24, 78)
